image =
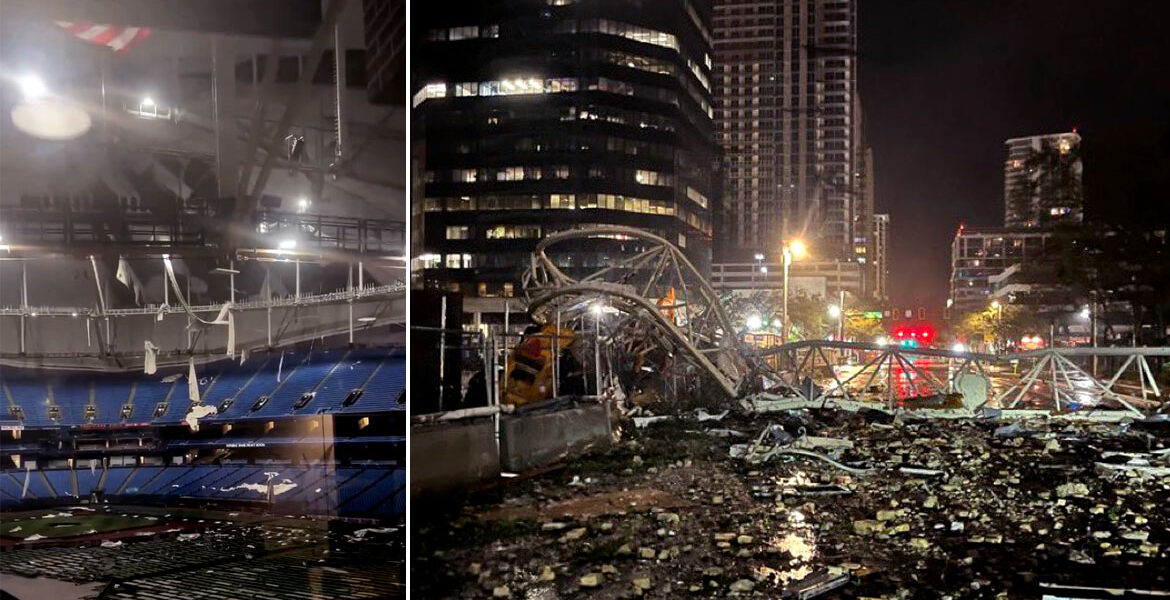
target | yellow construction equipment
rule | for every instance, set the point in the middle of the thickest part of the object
(529, 373)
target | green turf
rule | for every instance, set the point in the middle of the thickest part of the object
(60, 526)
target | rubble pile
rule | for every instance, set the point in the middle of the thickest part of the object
(823, 504)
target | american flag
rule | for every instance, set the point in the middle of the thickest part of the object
(118, 39)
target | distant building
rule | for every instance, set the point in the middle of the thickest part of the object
(881, 253)
(788, 122)
(1042, 181)
(824, 278)
(978, 256)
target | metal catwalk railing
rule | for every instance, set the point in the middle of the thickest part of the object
(342, 295)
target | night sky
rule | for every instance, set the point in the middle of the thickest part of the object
(943, 84)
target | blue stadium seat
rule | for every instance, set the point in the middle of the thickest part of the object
(71, 394)
(87, 481)
(115, 477)
(137, 480)
(319, 489)
(36, 484)
(110, 396)
(354, 487)
(348, 376)
(332, 375)
(10, 486)
(147, 394)
(383, 389)
(305, 378)
(32, 395)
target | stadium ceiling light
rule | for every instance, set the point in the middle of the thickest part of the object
(32, 86)
(367, 319)
(287, 244)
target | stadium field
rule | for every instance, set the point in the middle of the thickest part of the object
(69, 522)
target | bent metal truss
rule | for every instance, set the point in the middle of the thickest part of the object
(659, 301)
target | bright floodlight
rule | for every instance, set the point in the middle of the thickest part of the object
(834, 311)
(148, 101)
(287, 244)
(32, 86)
(797, 249)
(995, 304)
(881, 340)
(48, 118)
(1085, 313)
(958, 347)
(764, 270)
(759, 256)
(754, 322)
(596, 309)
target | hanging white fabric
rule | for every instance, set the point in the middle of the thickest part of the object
(225, 316)
(150, 361)
(27, 474)
(192, 383)
(170, 268)
(92, 466)
(129, 278)
(280, 366)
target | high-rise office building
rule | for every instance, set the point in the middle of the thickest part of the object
(1042, 181)
(534, 117)
(787, 118)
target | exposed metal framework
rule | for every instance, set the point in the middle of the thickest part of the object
(892, 376)
(662, 304)
(661, 301)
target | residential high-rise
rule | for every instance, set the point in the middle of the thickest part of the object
(1042, 180)
(787, 122)
(881, 256)
(535, 117)
(979, 256)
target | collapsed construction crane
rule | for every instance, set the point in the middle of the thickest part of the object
(664, 324)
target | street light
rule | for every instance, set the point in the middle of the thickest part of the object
(834, 311)
(754, 322)
(793, 249)
(597, 309)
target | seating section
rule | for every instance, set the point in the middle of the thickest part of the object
(368, 490)
(327, 377)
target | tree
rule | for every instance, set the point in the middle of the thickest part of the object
(1003, 325)
(808, 315)
(860, 328)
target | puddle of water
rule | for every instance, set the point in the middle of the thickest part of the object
(800, 544)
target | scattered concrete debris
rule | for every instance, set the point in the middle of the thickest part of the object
(823, 503)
